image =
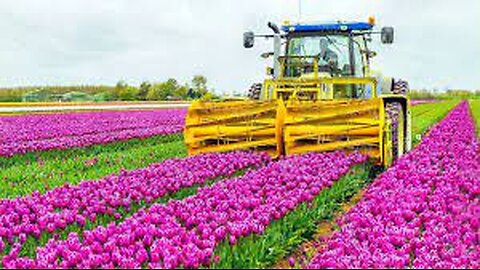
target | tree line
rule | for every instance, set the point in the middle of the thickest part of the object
(170, 89)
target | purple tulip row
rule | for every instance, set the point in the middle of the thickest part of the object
(185, 233)
(10, 149)
(76, 205)
(414, 102)
(21, 134)
(424, 212)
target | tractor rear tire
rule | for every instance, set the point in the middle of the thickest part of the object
(394, 113)
(255, 91)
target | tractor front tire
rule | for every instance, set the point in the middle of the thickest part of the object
(400, 87)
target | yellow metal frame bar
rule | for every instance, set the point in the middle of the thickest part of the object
(382, 129)
(314, 85)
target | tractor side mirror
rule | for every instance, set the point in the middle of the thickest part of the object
(269, 71)
(387, 35)
(248, 39)
(266, 55)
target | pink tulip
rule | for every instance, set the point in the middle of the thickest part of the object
(291, 261)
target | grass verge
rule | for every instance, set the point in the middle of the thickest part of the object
(425, 116)
(475, 109)
(21, 175)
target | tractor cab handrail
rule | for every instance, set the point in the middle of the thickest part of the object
(322, 87)
(297, 56)
(314, 65)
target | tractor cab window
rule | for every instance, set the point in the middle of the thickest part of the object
(331, 52)
(359, 61)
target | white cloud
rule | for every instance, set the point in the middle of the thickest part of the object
(89, 42)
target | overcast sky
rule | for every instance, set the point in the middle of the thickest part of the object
(68, 42)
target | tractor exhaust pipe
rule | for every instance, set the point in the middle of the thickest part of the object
(274, 27)
(277, 46)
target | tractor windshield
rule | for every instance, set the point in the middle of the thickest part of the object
(331, 52)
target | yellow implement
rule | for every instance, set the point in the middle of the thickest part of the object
(293, 127)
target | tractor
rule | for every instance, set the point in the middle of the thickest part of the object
(320, 95)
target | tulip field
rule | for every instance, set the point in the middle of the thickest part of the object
(21, 134)
(117, 190)
(414, 102)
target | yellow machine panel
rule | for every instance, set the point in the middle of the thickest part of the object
(226, 126)
(317, 126)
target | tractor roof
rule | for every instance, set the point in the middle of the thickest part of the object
(328, 27)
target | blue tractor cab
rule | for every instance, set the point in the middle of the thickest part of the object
(328, 27)
(337, 49)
